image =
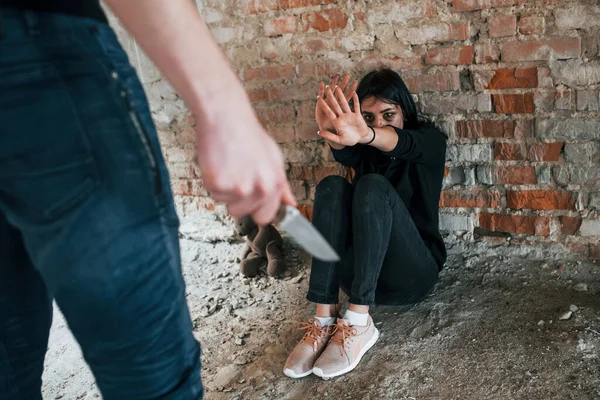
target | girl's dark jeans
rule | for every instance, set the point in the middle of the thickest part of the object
(384, 260)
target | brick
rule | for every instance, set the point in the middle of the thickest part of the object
(588, 100)
(450, 55)
(544, 151)
(545, 78)
(487, 53)
(563, 100)
(524, 128)
(590, 45)
(280, 26)
(318, 70)
(484, 175)
(513, 103)
(594, 251)
(269, 73)
(516, 175)
(569, 225)
(590, 227)
(577, 16)
(357, 42)
(567, 128)
(400, 11)
(518, 224)
(469, 153)
(299, 190)
(532, 25)
(469, 199)
(301, 173)
(261, 6)
(435, 33)
(546, 49)
(280, 113)
(576, 73)
(441, 82)
(473, 5)
(582, 153)
(302, 152)
(258, 95)
(307, 131)
(325, 20)
(594, 201)
(544, 175)
(454, 222)
(456, 176)
(406, 62)
(435, 104)
(502, 26)
(514, 78)
(572, 175)
(289, 4)
(282, 133)
(508, 151)
(540, 200)
(544, 101)
(486, 128)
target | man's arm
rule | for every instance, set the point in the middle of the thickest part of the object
(241, 165)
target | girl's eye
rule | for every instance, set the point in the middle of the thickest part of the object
(368, 117)
(389, 115)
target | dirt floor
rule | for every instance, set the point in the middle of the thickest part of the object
(494, 328)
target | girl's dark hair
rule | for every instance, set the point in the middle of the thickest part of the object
(387, 85)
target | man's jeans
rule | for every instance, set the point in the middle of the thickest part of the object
(86, 216)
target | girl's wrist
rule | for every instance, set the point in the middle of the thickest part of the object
(369, 137)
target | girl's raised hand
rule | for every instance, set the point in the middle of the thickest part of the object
(322, 120)
(348, 124)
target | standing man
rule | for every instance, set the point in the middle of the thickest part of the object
(86, 210)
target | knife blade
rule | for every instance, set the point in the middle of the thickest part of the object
(306, 235)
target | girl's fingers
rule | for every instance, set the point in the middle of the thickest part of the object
(356, 104)
(351, 90)
(321, 89)
(345, 81)
(330, 137)
(326, 109)
(335, 80)
(332, 102)
(339, 94)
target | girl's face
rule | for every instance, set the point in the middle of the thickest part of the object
(378, 113)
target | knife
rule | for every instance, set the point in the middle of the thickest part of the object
(305, 234)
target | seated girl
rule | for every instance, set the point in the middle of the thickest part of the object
(384, 225)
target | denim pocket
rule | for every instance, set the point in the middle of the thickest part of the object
(46, 162)
(116, 65)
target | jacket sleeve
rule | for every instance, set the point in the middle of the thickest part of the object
(349, 156)
(426, 146)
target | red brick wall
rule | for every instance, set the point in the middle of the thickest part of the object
(515, 84)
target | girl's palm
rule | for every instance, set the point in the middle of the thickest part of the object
(322, 120)
(349, 126)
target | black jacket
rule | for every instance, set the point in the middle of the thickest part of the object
(415, 167)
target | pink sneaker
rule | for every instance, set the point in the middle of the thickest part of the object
(345, 349)
(300, 361)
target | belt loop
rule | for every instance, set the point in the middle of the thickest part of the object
(33, 22)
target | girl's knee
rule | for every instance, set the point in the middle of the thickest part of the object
(333, 184)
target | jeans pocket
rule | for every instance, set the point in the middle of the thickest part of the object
(47, 166)
(126, 83)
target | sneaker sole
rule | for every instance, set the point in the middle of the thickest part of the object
(294, 375)
(319, 372)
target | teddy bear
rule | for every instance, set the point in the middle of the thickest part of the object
(263, 244)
